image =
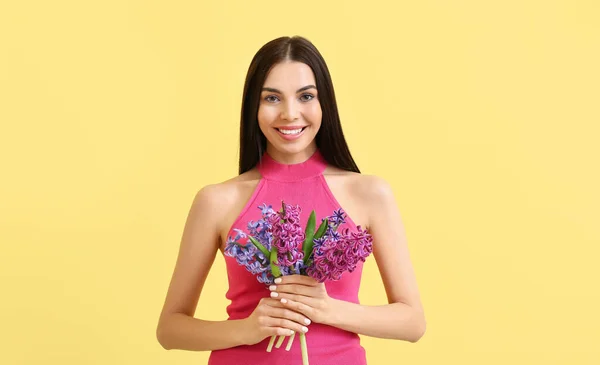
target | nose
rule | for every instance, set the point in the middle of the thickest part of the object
(290, 110)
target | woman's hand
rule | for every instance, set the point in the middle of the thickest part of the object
(304, 295)
(271, 318)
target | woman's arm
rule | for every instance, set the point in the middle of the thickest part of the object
(402, 317)
(183, 332)
(397, 321)
(177, 328)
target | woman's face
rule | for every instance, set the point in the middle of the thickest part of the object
(289, 113)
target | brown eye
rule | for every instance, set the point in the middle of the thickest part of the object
(270, 100)
(310, 97)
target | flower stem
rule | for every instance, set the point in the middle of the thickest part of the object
(304, 349)
(290, 341)
(279, 342)
(271, 343)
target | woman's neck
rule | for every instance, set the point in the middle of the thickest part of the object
(288, 158)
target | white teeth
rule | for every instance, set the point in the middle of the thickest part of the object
(290, 131)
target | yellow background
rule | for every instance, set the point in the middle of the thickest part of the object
(482, 115)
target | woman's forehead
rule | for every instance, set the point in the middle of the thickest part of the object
(289, 76)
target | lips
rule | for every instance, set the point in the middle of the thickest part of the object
(291, 128)
(290, 136)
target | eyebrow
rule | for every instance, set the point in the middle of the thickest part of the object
(299, 90)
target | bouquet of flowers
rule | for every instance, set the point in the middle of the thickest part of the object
(279, 246)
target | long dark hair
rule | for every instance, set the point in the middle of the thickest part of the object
(330, 138)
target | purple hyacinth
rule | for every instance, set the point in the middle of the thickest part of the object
(338, 218)
(255, 267)
(243, 254)
(232, 249)
(261, 229)
(266, 277)
(288, 236)
(266, 210)
(297, 268)
(360, 243)
(334, 256)
(248, 255)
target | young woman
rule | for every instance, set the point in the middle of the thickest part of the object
(292, 149)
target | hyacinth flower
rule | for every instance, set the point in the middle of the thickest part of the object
(273, 250)
(337, 253)
(279, 246)
(329, 253)
(286, 255)
(254, 256)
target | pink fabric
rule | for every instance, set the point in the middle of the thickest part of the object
(301, 184)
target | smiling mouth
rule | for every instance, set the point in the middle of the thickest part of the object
(291, 132)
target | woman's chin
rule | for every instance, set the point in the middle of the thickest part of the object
(293, 148)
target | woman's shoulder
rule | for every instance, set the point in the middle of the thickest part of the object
(364, 196)
(223, 199)
(229, 190)
(365, 185)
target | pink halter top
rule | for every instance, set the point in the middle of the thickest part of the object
(297, 184)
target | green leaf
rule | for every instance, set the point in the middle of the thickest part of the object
(321, 230)
(274, 268)
(259, 246)
(309, 234)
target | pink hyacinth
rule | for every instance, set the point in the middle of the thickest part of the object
(332, 257)
(288, 235)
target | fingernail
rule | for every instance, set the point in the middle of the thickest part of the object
(291, 332)
(283, 300)
(277, 281)
(306, 320)
(304, 329)
(274, 294)
(272, 287)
